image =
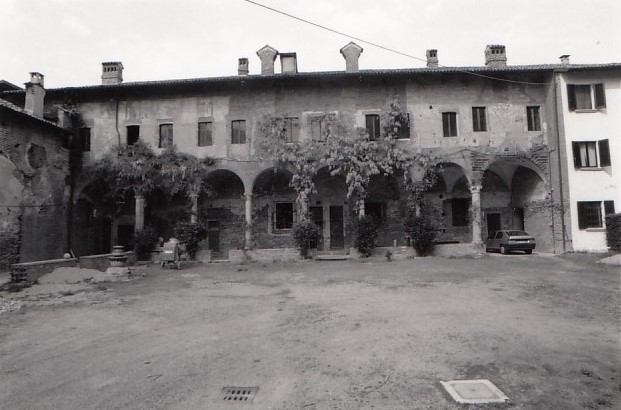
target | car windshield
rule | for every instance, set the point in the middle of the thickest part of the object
(517, 233)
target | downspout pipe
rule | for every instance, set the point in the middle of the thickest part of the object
(559, 158)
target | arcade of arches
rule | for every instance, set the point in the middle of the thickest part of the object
(258, 210)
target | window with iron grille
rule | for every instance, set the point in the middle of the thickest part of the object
(238, 132)
(533, 119)
(373, 126)
(283, 217)
(449, 124)
(586, 96)
(166, 136)
(479, 122)
(205, 137)
(589, 214)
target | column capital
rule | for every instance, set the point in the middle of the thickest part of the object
(475, 189)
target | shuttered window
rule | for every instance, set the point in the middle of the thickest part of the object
(589, 214)
(373, 126)
(166, 136)
(449, 124)
(479, 122)
(586, 96)
(238, 132)
(533, 118)
(292, 129)
(205, 137)
(587, 153)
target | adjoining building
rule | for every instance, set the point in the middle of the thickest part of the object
(34, 171)
(495, 129)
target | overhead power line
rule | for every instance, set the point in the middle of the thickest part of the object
(391, 50)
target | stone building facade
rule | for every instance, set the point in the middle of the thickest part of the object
(34, 171)
(494, 129)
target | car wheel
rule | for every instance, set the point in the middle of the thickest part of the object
(528, 251)
(503, 250)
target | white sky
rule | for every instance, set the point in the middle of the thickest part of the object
(67, 40)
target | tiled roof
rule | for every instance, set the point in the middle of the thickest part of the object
(14, 108)
(483, 71)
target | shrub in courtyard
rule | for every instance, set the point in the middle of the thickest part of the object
(191, 235)
(366, 234)
(422, 234)
(305, 235)
(613, 232)
(145, 242)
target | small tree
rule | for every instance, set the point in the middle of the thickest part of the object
(145, 242)
(422, 233)
(190, 234)
(366, 234)
(305, 234)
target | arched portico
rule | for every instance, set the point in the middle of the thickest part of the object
(223, 211)
(329, 209)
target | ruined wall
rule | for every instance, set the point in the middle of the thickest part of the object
(34, 207)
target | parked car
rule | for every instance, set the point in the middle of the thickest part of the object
(508, 240)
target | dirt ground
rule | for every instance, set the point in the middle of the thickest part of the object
(366, 334)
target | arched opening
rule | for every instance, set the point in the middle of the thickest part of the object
(329, 209)
(514, 196)
(386, 203)
(448, 203)
(94, 212)
(274, 208)
(223, 212)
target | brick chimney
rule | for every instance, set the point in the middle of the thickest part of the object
(351, 52)
(267, 55)
(432, 58)
(242, 66)
(35, 93)
(495, 56)
(288, 63)
(564, 59)
(111, 73)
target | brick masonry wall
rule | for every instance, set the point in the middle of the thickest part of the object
(34, 208)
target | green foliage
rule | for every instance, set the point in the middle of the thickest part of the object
(421, 232)
(366, 234)
(145, 242)
(305, 233)
(190, 234)
(613, 231)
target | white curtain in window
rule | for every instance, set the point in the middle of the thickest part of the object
(588, 155)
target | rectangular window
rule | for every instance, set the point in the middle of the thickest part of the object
(283, 217)
(292, 129)
(586, 96)
(205, 137)
(316, 125)
(589, 214)
(84, 139)
(534, 121)
(460, 211)
(166, 136)
(449, 124)
(479, 122)
(238, 132)
(587, 153)
(373, 126)
(133, 134)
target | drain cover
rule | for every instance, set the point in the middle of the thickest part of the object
(474, 391)
(237, 394)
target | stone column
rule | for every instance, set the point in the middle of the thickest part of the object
(248, 244)
(361, 209)
(139, 213)
(194, 212)
(475, 211)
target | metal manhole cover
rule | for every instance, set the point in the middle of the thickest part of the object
(474, 391)
(239, 394)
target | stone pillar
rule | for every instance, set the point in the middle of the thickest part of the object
(248, 244)
(139, 213)
(194, 212)
(361, 209)
(475, 190)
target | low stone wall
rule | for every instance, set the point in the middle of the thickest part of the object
(31, 271)
(264, 255)
(101, 261)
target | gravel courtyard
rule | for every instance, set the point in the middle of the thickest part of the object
(363, 334)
